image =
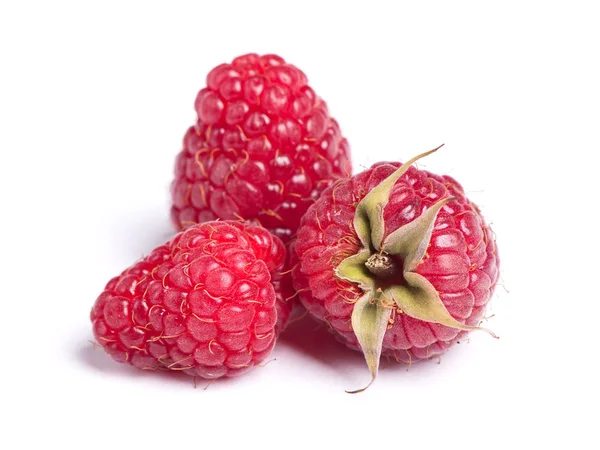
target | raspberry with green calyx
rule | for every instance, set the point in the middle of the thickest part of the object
(404, 279)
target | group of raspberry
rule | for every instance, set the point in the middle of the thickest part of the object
(395, 260)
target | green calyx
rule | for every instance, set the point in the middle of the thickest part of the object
(384, 269)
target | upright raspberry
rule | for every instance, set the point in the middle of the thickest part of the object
(263, 148)
(202, 303)
(397, 261)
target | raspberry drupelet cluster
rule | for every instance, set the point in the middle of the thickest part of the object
(263, 148)
(424, 221)
(203, 303)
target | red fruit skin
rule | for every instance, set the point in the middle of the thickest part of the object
(263, 148)
(461, 261)
(202, 303)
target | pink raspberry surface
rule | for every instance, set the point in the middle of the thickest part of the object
(203, 303)
(263, 148)
(461, 261)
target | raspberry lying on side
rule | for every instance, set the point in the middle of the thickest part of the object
(397, 261)
(263, 148)
(203, 303)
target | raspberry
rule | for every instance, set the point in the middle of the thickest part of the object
(202, 303)
(397, 260)
(263, 148)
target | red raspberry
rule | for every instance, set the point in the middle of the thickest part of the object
(202, 303)
(408, 283)
(263, 148)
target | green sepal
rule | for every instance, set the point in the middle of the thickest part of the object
(369, 322)
(353, 269)
(368, 219)
(416, 298)
(411, 240)
(420, 300)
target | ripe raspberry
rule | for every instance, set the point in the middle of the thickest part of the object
(202, 303)
(398, 261)
(263, 148)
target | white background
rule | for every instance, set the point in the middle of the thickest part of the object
(95, 98)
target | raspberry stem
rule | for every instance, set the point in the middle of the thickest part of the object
(382, 266)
